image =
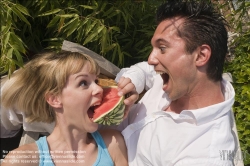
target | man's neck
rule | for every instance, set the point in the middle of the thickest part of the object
(201, 97)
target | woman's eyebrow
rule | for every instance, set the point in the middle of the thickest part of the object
(81, 75)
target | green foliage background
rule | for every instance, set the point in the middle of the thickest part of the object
(118, 30)
(239, 67)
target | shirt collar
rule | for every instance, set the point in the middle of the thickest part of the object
(207, 114)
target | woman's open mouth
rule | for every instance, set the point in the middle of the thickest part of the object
(91, 112)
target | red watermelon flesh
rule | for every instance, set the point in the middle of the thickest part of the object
(111, 110)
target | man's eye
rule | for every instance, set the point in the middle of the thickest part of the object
(162, 49)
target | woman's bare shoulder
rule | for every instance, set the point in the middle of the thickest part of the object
(111, 135)
(116, 145)
(25, 155)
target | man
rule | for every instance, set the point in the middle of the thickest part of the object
(184, 117)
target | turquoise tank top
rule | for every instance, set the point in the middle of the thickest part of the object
(103, 157)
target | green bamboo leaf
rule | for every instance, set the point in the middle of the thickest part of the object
(93, 35)
(110, 47)
(54, 39)
(20, 15)
(114, 53)
(68, 25)
(103, 6)
(127, 54)
(42, 5)
(61, 23)
(84, 22)
(88, 7)
(20, 64)
(125, 20)
(53, 21)
(108, 12)
(73, 27)
(22, 9)
(74, 10)
(95, 3)
(120, 56)
(18, 56)
(139, 44)
(81, 30)
(16, 43)
(54, 11)
(68, 15)
(11, 67)
(117, 29)
(104, 40)
(53, 47)
(89, 28)
(6, 39)
(9, 53)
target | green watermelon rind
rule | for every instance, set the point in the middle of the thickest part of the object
(116, 117)
(116, 113)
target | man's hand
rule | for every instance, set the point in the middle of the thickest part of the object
(127, 88)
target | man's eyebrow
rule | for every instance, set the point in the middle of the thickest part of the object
(161, 40)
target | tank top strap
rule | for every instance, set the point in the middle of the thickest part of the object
(44, 153)
(103, 157)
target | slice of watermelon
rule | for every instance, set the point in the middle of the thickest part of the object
(111, 110)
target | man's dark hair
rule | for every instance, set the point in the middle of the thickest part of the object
(202, 25)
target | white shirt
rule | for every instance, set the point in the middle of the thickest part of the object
(193, 137)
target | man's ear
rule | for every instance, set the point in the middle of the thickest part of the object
(204, 54)
(53, 100)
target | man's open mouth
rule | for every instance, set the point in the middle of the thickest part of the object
(165, 78)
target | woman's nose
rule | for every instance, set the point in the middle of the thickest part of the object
(97, 90)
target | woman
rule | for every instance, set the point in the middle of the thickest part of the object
(62, 87)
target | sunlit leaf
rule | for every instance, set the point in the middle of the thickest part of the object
(68, 15)
(54, 11)
(88, 7)
(9, 53)
(20, 15)
(16, 43)
(89, 28)
(19, 57)
(117, 29)
(6, 39)
(53, 21)
(73, 26)
(22, 9)
(93, 35)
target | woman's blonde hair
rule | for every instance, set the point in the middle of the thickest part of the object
(47, 73)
